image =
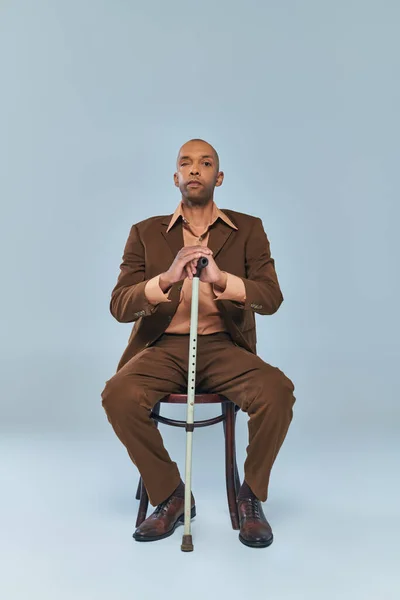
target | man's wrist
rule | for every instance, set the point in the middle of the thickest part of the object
(221, 283)
(164, 282)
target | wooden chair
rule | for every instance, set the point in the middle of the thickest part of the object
(228, 418)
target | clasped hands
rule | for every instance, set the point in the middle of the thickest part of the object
(185, 265)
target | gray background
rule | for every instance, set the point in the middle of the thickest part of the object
(301, 101)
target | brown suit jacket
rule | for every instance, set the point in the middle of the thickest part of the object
(150, 250)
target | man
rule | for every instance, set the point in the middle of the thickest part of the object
(154, 291)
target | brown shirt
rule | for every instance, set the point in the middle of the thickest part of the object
(209, 319)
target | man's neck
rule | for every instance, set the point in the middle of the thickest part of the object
(198, 216)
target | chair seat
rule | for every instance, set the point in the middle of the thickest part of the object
(199, 399)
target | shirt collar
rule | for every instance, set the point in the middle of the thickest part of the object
(216, 213)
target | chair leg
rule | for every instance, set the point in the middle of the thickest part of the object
(141, 493)
(143, 505)
(237, 478)
(230, 462)
(139, 487)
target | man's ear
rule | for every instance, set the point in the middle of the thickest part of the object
(220, 178)
(176, 181)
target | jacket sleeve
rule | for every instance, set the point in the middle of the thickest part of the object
(128, 300)
(263, 293)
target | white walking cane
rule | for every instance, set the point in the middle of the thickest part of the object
(187, 543)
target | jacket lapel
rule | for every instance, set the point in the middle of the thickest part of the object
(220, 232)
(174, 237)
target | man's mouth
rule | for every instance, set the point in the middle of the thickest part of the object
(194, 183)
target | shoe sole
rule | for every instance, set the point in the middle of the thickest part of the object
(256, 544)
(154, 538)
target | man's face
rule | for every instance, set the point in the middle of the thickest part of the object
(197, 172)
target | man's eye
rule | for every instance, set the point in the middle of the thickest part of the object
(207, 163)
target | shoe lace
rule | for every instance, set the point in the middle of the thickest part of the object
(252, 508)
(163, 506)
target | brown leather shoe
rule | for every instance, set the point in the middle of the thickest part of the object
(255, 531)
(164, 520)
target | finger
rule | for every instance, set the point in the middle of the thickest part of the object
(198, 250)
(204, 250)
(192, 256)
(188, 271)
(191, 266)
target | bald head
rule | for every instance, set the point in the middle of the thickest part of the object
(209, 151)
(198, 171)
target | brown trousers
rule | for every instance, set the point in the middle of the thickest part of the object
(262, 391)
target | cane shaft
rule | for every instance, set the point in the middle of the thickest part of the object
(190, 400)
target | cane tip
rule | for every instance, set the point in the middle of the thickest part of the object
(187, 543)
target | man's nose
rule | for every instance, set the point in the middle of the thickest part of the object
(194, 170)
